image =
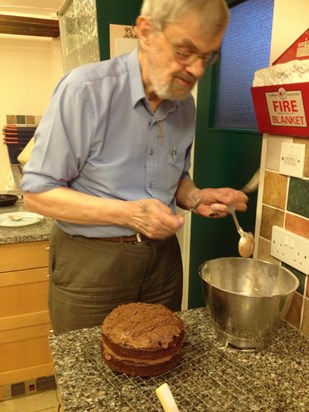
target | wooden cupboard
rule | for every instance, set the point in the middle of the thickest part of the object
(24, 318)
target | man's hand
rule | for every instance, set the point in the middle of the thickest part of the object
(216, 201)
(153, 218)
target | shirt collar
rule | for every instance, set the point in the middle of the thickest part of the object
(135, 78)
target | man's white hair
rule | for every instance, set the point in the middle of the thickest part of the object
(215, 13)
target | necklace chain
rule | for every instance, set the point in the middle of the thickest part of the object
(161, 134)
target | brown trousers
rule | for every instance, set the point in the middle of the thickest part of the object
(89, 277)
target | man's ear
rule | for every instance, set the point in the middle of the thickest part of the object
(144, 30)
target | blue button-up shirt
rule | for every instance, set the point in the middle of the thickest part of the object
(100, 137)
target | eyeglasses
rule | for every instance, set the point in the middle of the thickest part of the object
(187, 57)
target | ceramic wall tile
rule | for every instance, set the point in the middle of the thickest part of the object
(11, 119)
(275, 189)
(30, 119)
(305, 324)
(306, 166)
(300, 276)
(264, 251)
(294, 314)
(273, 151)
(23, 119)
(298, 197)
(270, 217)
(20, 119)
(297, 224)
(38, 119)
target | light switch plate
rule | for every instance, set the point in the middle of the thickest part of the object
(290, 249)
(292, 159)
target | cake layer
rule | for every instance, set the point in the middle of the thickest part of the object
(133, 369)
(145, 353)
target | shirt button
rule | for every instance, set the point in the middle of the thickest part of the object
(151, 152)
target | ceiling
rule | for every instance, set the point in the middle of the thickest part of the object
(30, 17)
(31, 8)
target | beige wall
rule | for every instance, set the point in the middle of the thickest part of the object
(29, 70)
(290, 21)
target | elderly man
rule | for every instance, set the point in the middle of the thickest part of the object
(111, 162)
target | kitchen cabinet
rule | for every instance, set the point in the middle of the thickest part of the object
(84, 28)
(24, 318)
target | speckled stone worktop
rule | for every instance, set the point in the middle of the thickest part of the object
(31, 233)
(210, 378)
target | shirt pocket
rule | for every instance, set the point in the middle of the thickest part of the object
(175, 167)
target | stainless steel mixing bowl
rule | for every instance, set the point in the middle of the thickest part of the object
(247, 299)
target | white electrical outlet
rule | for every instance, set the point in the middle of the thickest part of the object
(290, 249)
(292, 159)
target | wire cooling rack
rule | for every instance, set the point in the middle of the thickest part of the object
(195, 385)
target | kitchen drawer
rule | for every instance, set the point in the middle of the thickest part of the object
(24, 354)
(25, 359)
(24, 348)
(21, 256)
(13, 328)
(23, 291)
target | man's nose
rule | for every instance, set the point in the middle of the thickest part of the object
(196, 68)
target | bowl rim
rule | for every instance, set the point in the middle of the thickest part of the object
(297, 283)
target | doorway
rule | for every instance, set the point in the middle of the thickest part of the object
(228, 144)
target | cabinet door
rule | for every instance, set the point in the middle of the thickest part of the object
(24, 317)
(23, 291)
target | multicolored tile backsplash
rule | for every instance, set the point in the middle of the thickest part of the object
(23, 119)
(285, 203)
(17, 133)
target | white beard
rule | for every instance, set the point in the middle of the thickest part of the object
(165, 89)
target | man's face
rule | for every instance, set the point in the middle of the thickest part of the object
(178, 57)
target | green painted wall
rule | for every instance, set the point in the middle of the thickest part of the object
(222, 158)
(114, 12)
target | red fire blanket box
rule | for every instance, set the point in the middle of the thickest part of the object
(284, 109)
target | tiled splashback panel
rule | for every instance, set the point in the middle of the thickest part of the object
(285, 203)
(17, 132)
(22, 119)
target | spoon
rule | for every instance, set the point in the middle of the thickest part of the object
(246, 241)
(17, 218)
(195, 206)
(253, 183)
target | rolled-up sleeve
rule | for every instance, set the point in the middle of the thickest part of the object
(62, 141)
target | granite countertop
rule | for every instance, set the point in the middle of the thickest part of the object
(211, 377)
(31, 233)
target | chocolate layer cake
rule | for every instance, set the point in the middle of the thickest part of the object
(142, 339)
